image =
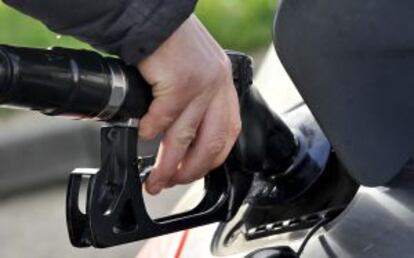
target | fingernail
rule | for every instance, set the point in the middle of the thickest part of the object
(155, 189)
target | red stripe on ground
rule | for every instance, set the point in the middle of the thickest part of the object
(182, 244)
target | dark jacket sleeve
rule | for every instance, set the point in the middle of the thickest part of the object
(131, 29)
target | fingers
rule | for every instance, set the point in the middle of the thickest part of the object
(215, 139)
(234, 129)
(161, 114)
(169, 102)
(174, 146)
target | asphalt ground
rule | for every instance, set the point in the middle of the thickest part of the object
(33, 225)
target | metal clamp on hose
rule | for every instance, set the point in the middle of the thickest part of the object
(119, 88)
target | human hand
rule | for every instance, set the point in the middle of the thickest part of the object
(195, 105)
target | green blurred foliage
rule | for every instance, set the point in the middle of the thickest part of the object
(242, 25)
(238, 24)
(21, 30)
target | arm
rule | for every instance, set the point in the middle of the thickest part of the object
(129, 29)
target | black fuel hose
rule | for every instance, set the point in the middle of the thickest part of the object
(70, 82)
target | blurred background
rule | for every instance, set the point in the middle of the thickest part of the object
(37, 153)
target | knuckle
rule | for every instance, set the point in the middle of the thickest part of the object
(226, 64)
(161, 89)
(235, 129)
(185, 136)
(222, 71)
(218, 162)
(216, 145)
(161, 117)
(224, 60)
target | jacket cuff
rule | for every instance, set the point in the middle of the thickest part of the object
(141, 40)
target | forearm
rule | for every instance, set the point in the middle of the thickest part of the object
(131, 29)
